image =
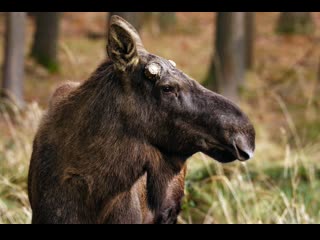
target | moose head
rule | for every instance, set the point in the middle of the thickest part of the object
(169, 109)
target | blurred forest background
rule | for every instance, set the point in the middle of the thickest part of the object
(269, 63)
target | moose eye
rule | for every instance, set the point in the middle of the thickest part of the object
(167, 89)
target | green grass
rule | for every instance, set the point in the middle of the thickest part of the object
(245, 193)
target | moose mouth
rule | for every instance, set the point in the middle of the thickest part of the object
(228, 154)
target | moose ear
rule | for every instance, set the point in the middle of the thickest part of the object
(124, 43)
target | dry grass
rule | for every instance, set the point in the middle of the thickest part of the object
(279, 185)
(15, 152)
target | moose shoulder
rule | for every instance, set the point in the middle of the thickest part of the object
(113, 149)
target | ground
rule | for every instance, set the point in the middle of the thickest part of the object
(281, 96)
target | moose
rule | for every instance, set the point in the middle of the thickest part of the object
(113, 148)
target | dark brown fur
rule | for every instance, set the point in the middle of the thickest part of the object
(116, 210)
(113, 149)
(136, 198)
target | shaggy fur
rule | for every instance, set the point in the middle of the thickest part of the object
(113, 149)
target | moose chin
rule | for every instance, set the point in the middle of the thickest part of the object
(113, 148)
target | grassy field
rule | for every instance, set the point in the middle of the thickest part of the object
(279, 185)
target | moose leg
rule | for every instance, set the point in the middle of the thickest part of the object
(123, 209)
(172, 205)
(165, 188)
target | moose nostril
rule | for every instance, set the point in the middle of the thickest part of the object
(243, 154)
(242, 149)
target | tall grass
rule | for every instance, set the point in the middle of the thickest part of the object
(17, 132)
(249, 193)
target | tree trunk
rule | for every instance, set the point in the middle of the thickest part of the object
(167, 20)
(318, 75)
(295, 23)
(135, 18)
(45, 45)
(228, 65)
(250, 40)
(13, 68)
(318, 80)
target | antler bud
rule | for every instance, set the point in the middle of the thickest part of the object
(173, 63)
(153, 71)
